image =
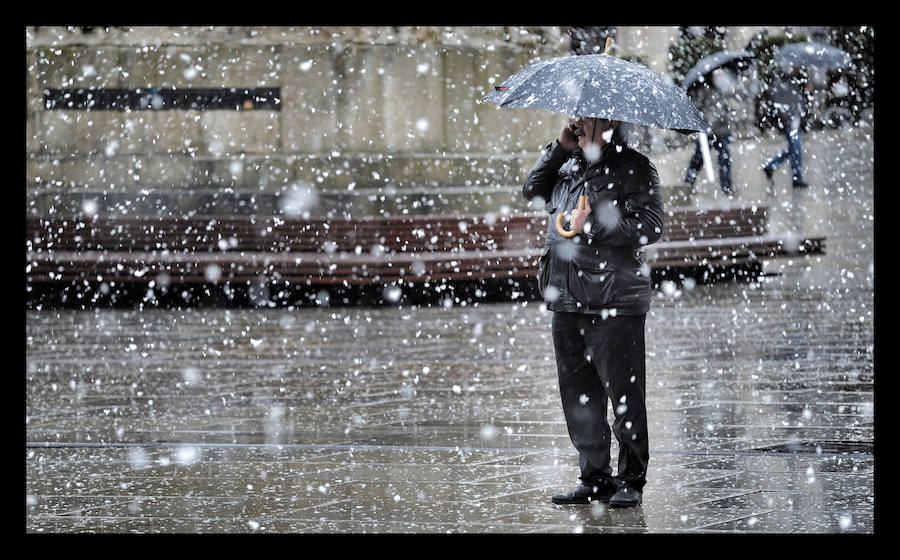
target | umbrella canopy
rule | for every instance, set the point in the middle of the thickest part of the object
(602, 86)
(811, 53)
(709, 63)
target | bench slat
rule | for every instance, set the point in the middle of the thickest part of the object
(361, 251)
(414, 233)
(343, 268)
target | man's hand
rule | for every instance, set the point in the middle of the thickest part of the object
(567, 138)
(577, 218)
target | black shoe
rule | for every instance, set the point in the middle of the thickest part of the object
(585, 494)
(625, 497)
(800, 184)
(769, 172)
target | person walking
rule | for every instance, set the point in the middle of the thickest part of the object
(710, 97)
(790, 104)
(597, 285)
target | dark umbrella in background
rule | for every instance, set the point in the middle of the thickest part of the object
(600, 86)
(712, 62)
(811, 53)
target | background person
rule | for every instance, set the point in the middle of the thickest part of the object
(710, 97)
(790, 104)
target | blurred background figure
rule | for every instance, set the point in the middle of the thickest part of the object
(790, 103)
(710, 97)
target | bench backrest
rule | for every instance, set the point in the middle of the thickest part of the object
(347, 234)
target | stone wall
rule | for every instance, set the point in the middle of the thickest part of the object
(365, 113)
(372, 120)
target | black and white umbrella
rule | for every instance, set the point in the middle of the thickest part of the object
(601, 86)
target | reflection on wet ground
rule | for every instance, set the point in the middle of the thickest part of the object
(435, 420)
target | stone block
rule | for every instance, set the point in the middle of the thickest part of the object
(413, 98)
(45, 172)
(309, 99)
(341, 171)
(225, 133)
(462, 93)
(166, 132)
(166, 172)
(273, 174)
(359, 90)
(76, 66)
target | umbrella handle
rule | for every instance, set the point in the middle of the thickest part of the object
(607, 46)
(559, 218)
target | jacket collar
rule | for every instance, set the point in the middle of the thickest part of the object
(606, 152)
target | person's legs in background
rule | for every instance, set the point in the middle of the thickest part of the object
(694, 165)
(722, 148)
(793, 152)
(795, 149)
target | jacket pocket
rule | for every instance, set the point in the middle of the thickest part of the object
(591, 284)
(544, 275)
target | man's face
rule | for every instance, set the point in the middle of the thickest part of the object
(596, 131)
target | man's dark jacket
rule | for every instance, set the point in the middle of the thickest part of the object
(602, 271)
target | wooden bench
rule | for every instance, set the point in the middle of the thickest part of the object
(365, 251)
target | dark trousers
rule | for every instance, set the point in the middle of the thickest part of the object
(720, 143)
(793, 153)
(600, 361)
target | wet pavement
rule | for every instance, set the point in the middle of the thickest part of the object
(446, 419)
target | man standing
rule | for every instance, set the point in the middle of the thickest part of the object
(597, 285)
